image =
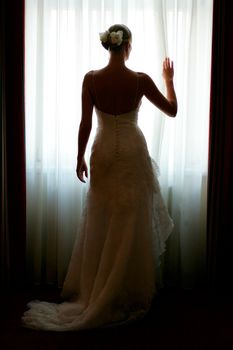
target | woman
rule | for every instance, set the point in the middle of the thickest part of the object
(112, 276)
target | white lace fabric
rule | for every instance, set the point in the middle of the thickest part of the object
(112, 275)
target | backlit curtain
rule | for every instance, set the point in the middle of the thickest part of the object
(62, 44)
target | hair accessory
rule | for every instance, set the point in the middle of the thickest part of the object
(113, 37)
(116, 37)
(104, 36)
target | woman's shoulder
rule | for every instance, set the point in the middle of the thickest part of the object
(94, 72)
(89, 75)
(141, 75)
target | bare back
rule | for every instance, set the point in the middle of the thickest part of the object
(120, 90)
(115, 91)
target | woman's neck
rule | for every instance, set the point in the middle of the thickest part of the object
(117, 59)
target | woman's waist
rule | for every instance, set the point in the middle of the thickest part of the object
(113, 125)
(125, 127)
(124, 134)
(122, 139)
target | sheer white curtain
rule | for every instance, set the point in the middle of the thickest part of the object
(62, 44)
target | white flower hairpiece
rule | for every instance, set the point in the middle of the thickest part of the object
(104, 36)
(116, 37)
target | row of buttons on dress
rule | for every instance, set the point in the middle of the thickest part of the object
(117, 153)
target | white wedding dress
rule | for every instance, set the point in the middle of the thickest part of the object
(112, 276)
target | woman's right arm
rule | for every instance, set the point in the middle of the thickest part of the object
(167, 104)
(84, 128)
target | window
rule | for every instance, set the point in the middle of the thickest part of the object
(62, 44)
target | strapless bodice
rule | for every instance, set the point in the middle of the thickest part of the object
(119, 135)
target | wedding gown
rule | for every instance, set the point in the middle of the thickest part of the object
(112, 274)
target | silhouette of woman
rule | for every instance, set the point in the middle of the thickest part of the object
(112, 277)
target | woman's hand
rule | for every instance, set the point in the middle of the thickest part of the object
(168, 71)
(81, 170)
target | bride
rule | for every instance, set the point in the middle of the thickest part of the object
(112, 276)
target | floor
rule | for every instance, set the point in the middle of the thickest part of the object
(179, 319)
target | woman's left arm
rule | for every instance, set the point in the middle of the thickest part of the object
(84, 128)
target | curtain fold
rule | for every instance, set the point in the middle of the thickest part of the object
(13, 195)
(184, 143)
(220, 189)
(62, 44)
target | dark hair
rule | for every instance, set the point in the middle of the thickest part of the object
(127, 35)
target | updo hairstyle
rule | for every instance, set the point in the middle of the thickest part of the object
(127, 36)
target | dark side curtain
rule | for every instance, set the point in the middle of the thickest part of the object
(12, 239)
(220, 187)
